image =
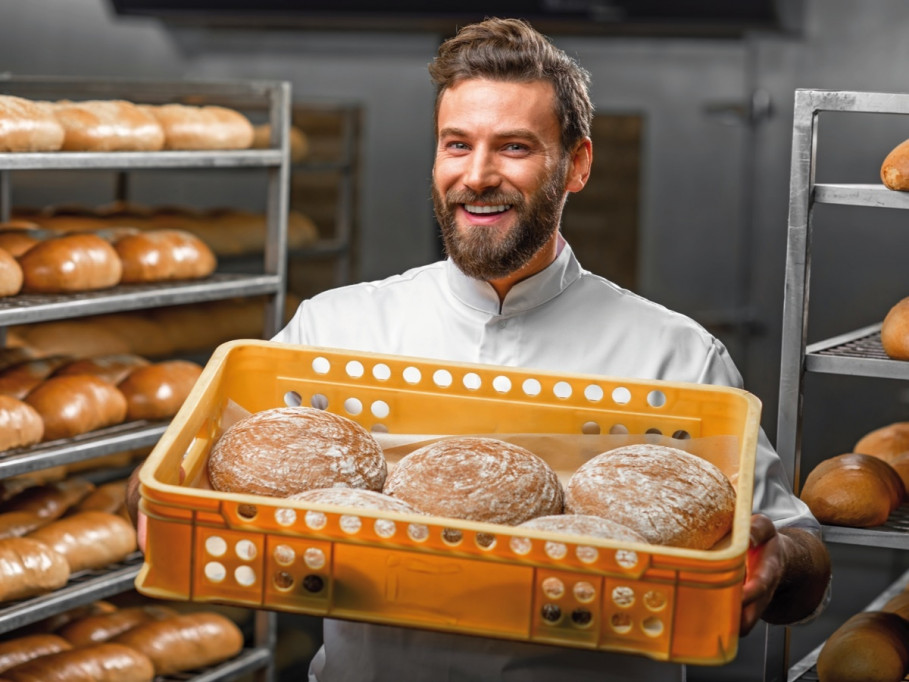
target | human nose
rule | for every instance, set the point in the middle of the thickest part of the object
(481, 172)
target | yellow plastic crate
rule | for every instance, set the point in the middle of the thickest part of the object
(444, 574)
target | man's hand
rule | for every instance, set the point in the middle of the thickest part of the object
(787, 573)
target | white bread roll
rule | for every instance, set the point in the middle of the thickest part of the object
(667, 495)
(478, 479)
(26, 126)
(286, 450)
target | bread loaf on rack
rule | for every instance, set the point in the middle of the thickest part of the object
(29, 568)
(891, 444)
(105, 662)
(164, 255)
(49, 500)
(70, 263)
(20, 424)
(70, 405)
(112, 368)
(18, 650)
(16, 524)
(189, 127)
(90, 539)
(21, 379)
(853, 489)
(895, 167)
(102, 627)
(871, 646)
(10, 274)
(895, 331)
(107, 125)
(25, 126)
(157, 391)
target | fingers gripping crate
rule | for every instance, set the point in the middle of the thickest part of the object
(443, 574)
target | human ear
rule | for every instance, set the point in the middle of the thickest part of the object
(579, 167)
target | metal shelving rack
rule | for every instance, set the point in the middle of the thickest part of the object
(271, 97)
(857, 353)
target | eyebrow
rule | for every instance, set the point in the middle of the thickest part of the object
(518, 133)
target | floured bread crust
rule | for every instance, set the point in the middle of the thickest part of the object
(286, 450)
(478, 479)
(584, 524)
(667, 495)
(355, 497)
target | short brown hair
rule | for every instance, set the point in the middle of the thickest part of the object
(512, 50)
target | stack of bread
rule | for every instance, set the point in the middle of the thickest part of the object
(303, 453)
(863, 487)
(118, 125)
(60, 396)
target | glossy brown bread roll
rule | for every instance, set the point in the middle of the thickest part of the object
(895, 167)
(185, 642)
(669, 496)
(158, 390)
(891, 444)
(90, 539)
(25, 126)
(104, 662)
(286, 450)
(107, 497)
(29, 568)
(102, 627)
(70, 405)
(895, 331)
(10, 274)
(202, 127)
(16, 524)
(18, 650)
(107, 125)
(16, 241)
(871, 646)
(49, 500)
(70, 263)
(163, 255)
(113, 367)
(20, 379)
(20, 424)
(853, 489)
(478, 479)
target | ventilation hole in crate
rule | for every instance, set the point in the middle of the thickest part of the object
(587, 554)
(562, 389)
(215, 571)
(619, 430)
(384, 528)
(379, 409)
(584, 592)
(621, 395)
(353, 406)
(285, 517)
(247, 512)
(501, 383)
(626, 558)
(452, 536)
(379, 428)
(531, 387)
(283, 580)
(551, 613)
(315, 520)
(354, 369)
(381, 371)
(485, 540)
(581, 617)
(246, 550)
(418, 532)
(245, 576)
(412, 375)
(655, 600)
(350, 524)
(623, 596)
(215, 545)
(652, 626)
(681, 434)
(314, 558)
(653, 431)
(319, 401)
(520, 546)
(656, 398)
(321, 365)
(553, 588)
(313, 583)
(472, 381)
(285, 555)
(442, 378)
(590, 428)
(293, 399)
(556, 550)
(621, 623)
(593, 393)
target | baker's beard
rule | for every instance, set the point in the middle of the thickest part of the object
(483, 252)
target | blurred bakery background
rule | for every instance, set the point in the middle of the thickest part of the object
(688, 202)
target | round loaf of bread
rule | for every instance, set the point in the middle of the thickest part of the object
(164, 255)
(895, 331)
(10, 274)
(871, 646)
(478, 479)
(885, 441)
(895, 167)
(21, 379)
(667, 495)
(70, 405)
(157, 391)
(26, 126)
(202, 127)
(74, 262)
(286, 450)
(355, 497)
(584, 524)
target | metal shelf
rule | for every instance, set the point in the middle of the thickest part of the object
(244, 158)
(29, 308)
(858, 353)
(877, 196)
(82, 588)
(247, 661)
(894, 534)
(117, 438)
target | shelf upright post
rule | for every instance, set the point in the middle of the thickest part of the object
(277, 208)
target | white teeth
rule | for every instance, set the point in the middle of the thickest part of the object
(470, 208)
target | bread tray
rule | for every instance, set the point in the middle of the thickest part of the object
(667, 603)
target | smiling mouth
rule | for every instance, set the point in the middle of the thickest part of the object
(483, 210)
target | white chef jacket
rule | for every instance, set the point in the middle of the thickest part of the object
(562, 319)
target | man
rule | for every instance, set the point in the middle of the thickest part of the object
(512, 122)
